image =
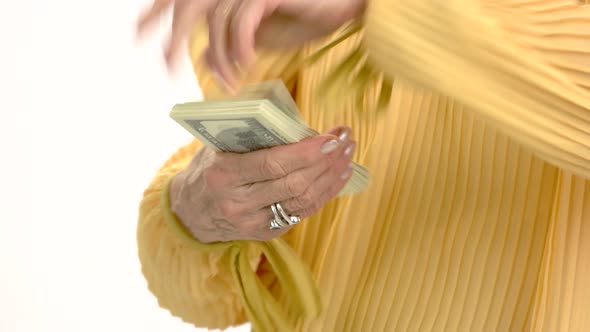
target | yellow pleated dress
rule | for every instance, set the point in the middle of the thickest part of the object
(473, 118)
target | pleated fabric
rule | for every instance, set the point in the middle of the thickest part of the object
(477, 217)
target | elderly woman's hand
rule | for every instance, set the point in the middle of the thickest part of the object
(237, 27)
(227, 196)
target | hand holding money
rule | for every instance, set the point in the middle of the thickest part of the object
(258, 152)
(261, 116)
(226, 196)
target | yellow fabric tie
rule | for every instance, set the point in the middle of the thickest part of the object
(262, 309)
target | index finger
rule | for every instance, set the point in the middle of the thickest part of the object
(279, 161)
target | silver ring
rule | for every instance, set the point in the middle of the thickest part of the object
(274, 225)
(278, 221)
(281, 218)
(291, 220)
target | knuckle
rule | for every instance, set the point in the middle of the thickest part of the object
(273, 167)
(305, 201)
(296, 204)
(221, 160)
(228, 209)
(213, 177)
(292, 207)
(310, 200)
(296, 184)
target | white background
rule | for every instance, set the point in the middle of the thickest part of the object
(83, 128)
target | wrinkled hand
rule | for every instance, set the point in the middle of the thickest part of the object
(227, 196)
(238, 27)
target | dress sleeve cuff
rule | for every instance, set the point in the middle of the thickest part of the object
(263, 311)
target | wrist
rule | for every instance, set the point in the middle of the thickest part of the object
(176, 193)
(180, 203)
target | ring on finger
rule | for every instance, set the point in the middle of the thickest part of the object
(277, 217)
(274, 225)
(291, 220)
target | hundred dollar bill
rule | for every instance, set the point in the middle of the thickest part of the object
(239, 134)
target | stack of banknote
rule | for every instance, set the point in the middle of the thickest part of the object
(260, 116)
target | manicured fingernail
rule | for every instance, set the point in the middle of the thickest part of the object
(346, 173)
(343, 136)
(329, 146)
(349, 150)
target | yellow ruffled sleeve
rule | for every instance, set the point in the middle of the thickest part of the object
(216, 285)
(524, 66)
